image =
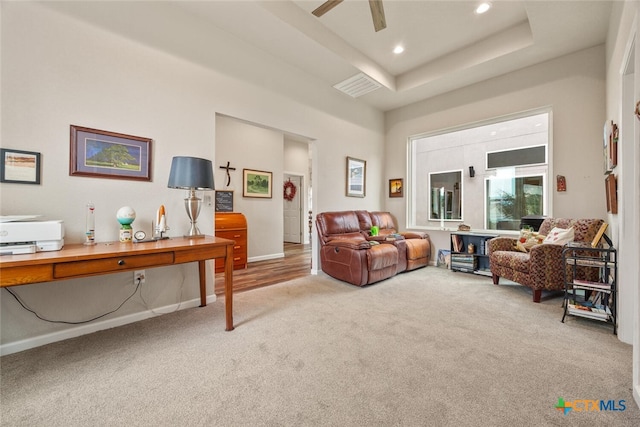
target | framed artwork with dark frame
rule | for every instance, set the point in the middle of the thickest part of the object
(256, 183)
(224, 201)
(356, 177)
(395, 187)
(19, 167)
(103, 154)
(612, 193)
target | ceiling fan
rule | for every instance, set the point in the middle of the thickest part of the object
(377, 12)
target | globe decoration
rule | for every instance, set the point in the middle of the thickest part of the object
(125, 215)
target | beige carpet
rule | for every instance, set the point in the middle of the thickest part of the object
(425, 348)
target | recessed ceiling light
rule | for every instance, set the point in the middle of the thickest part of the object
(398, 49)
(483, 7)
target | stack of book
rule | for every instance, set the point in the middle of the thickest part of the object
(462, 262)
(588, 309)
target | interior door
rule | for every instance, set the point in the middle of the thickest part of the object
(293, 211)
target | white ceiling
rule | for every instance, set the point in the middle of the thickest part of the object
(447, 46)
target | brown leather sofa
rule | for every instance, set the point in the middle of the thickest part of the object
(416, 248)
(348, 255)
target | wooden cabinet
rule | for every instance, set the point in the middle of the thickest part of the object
(233, 226)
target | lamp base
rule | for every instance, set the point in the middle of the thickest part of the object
(192, 205)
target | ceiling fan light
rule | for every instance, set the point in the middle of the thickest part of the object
(482, 8)
(398, 49)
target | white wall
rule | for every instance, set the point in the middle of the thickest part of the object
(623, 91)
(252, 147)
(573, 86)
(58, 70)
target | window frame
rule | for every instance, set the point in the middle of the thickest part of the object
(413, 186)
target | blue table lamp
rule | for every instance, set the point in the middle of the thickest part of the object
(191, 173)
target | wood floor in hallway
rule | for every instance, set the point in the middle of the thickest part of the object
(296, 263)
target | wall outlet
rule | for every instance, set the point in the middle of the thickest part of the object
(138, 275)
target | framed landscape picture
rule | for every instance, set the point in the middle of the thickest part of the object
(103, 154)
(356, 177)
(256, 183)
(19, 167)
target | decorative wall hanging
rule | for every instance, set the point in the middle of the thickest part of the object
(224, 201)
(228, 168)
(610, 146)
(356, 177)
(289, 190)
(395, 187)
(561, 183)
(19, 167)
(612, 193)
(256, 183)
(102, 154)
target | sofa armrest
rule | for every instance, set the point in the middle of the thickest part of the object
(414, 235)
(356, 244)
(502, 244)
(546, 256)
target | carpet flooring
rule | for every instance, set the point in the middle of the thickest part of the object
(424, 348)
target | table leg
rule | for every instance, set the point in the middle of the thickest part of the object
(202, 270)
(228, 287)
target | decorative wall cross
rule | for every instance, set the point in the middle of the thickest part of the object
(228, 168)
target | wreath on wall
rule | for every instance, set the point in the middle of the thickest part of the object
(289, 190)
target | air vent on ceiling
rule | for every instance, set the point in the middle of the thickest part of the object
(358, 85)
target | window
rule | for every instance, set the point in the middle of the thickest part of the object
(510, 158)
(509, 199)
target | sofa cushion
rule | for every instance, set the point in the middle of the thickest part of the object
(560, 236)
(518, 261)
(382, 256)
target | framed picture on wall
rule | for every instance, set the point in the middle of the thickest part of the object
(103, 154)
(256, 183)
(395, 187)
(19, 167)
(356, 177)
(224, 201)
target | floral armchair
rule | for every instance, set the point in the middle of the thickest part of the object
(541, 267)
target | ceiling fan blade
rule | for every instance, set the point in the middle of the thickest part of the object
(326, 7)
(377, 13)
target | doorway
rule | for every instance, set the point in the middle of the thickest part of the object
(292, 208)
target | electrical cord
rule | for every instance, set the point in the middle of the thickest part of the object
(146, 305)
(24, 305)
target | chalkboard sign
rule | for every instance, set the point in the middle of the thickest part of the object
(224, 201)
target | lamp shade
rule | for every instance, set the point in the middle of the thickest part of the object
(191, 173)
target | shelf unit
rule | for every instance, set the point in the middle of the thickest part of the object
(475, 261)
(591, 299)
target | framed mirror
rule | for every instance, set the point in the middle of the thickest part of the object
(445, 196)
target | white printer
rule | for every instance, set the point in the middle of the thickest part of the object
(21, 235)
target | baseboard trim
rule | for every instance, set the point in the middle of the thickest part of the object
(17, 346)
(266, 257)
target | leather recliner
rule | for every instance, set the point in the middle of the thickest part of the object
(414, 248)
(345, 253)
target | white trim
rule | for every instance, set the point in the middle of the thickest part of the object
(266, 257)
(17, 346)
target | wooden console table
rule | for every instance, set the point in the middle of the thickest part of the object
(75, 261)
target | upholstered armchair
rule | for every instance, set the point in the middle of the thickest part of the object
(540, 268)
(414, 247)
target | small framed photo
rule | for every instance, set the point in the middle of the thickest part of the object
(19, 167)
(395, 187)
(256, 183)
(224, 201)
(356, 177)
(103, 154)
